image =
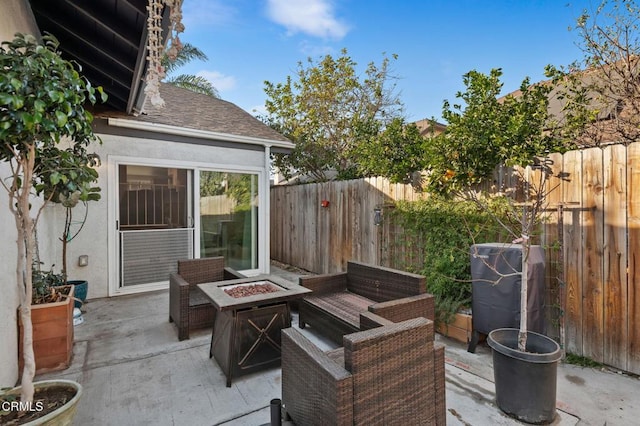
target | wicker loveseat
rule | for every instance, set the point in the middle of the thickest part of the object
(189, 308)
(392, 374)
(334, 307)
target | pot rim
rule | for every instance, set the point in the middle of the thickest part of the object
(539, 357)
(68, 405)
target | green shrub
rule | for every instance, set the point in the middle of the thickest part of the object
(443, 230)
(45, 285)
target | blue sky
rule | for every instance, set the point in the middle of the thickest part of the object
(437, 41)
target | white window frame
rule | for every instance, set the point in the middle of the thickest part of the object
(115, 161)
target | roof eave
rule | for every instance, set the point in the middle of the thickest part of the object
(195, 133)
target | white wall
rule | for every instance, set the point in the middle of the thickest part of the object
(15, 16)
(93, 240)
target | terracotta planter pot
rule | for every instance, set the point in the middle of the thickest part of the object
(52, 335)
(62, 416)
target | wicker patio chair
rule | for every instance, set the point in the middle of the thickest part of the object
(189, 308)
(388, 375)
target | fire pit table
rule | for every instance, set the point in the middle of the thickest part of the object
(250, 314)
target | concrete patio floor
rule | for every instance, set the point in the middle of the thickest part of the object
(134, 371)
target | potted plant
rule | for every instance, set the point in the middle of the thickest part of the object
(484, 134)
(42, 98)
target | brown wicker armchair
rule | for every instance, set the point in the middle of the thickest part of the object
(388, 375)
(189, 308)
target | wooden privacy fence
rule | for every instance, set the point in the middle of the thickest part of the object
(593, 219)
(598, 215)
(322, 239)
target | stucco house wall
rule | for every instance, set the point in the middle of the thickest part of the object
(94, 238)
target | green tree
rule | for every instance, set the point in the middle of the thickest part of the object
(443, 230)
(397, 152)
(191, 82)
(42, 100)
(327, 109)
(212, 183)
(235, 185)
(485, 132)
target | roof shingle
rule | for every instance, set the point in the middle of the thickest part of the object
(187, 109)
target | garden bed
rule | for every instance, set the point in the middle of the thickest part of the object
(459, 329)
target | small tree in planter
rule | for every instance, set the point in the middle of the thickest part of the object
(488, 133)
(42, 98)
(67, 179)
(513, 131)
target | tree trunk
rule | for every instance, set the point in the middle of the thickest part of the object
(65, 240)
(26, 244)
(522, 335)
(527, 224)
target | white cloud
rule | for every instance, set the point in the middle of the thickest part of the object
(220, 81)
(313, 17)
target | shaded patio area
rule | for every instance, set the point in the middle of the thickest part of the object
(135, 371)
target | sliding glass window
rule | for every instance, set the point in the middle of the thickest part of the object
(229, 218)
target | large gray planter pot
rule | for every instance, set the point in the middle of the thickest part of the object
(525, 381)
(62, 416)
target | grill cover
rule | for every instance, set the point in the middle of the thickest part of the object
(498, 305)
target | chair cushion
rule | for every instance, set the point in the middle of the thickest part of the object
(342, 304)
(197, 297)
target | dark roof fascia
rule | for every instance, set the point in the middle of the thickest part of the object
(280, 150)
(137, 95)
(107, 38)
(102, 126)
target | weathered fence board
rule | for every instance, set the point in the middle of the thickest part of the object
(591, 234)
(323, 239)
(592, 237)
(572, 245)
(615, 255)
(633, 223)
(552, 241)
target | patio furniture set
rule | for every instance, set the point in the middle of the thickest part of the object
(388, 371)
